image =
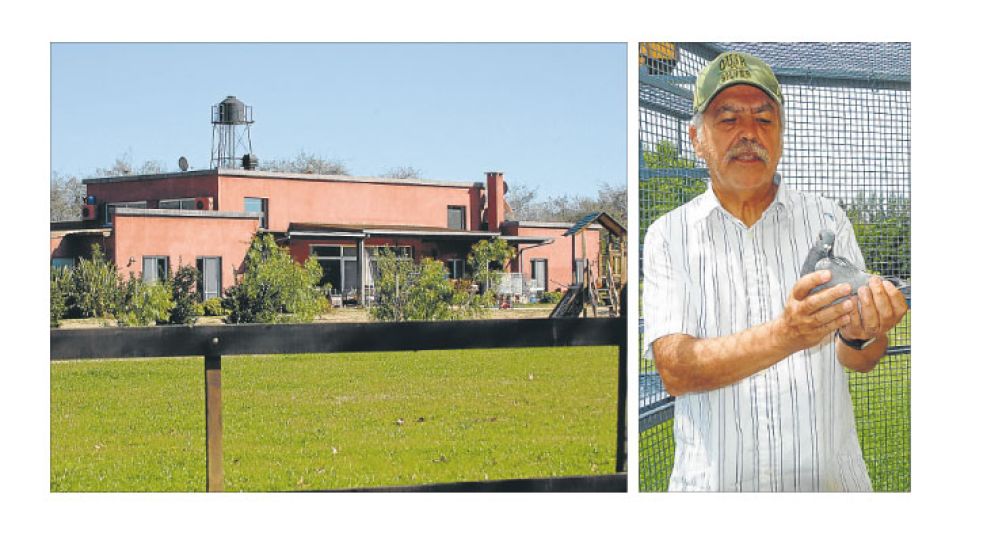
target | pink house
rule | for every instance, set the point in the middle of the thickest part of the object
(151, 224)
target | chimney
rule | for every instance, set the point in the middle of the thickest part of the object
(495, 200)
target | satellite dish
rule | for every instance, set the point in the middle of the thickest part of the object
(183, 164)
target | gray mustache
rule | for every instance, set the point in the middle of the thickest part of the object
(747, 148)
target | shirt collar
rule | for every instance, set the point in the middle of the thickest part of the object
(707, 202)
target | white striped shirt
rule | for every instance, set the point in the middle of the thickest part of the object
(789, 427)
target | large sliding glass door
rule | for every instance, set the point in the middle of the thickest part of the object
(340, 267)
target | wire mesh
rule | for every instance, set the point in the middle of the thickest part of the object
(847, 137)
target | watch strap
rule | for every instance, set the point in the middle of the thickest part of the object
(856, 344)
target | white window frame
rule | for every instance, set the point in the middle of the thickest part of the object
(157, 258)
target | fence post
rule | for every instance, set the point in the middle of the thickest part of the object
(622, 388)
(214, 423)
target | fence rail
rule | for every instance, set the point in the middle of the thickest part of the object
(214, 342)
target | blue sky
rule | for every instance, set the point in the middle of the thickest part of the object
(552, 116)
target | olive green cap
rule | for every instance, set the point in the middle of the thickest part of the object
(734, 68)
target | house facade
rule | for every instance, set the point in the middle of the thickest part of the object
(148, 225)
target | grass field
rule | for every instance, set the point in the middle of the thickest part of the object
(306, 422)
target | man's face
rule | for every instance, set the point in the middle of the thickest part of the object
(741, 141)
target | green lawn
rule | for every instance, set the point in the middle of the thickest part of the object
(332, 421)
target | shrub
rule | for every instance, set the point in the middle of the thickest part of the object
(213, 307)
(409, 291)
(274, 288)
(143, 304)
(551, 297)
(61, 290)
(183, 292)
(483, 255)
(94, 286)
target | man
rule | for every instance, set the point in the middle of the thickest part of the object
(754, 359)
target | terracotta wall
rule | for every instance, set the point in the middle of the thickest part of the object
(153, 190)
(303, 201)
(181, 239)
(558, 253)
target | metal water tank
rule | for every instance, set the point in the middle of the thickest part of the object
(232, 111)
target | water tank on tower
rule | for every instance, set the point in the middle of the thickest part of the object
(231, 120)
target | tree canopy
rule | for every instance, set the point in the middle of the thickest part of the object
(525, 205)
(305, 162)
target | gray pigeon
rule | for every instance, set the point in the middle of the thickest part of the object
(823, 248)
(821, 257)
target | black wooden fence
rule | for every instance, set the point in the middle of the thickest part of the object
(214, 342)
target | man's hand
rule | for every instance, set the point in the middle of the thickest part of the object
(882, 306)
(807, 320)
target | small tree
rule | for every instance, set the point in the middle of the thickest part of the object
(486, 253)
(143, 304)
(182, 285)
(394, 279)
(61, 291)
(274, 288)
(409, 291)
(94, 286)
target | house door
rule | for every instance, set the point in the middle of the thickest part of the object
(580, 266)
(539, 273)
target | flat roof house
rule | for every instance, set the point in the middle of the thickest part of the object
(150, 224)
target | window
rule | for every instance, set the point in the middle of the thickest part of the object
(154, 268)
(455, 268)
(456, 217)
(402, 253)
(539, 273)
(339, 267)
(252, 204)
(110, 207)
(177, 204)
(61, 262)
(210, 276)
(580, 266)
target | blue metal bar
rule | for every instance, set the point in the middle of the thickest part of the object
(693, 173)
(662, 109)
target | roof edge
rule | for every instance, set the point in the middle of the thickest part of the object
(282, 175)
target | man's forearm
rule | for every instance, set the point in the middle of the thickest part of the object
(863, 360)
(689, 365)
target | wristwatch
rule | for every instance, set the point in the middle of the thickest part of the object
(857, 344)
